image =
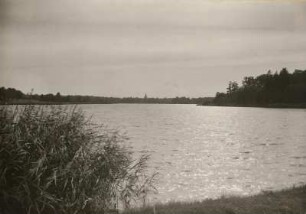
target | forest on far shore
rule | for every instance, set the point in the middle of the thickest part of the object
(14, 96)
(280, 89)
(268, 89)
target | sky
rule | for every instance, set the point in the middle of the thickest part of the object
(162, 48)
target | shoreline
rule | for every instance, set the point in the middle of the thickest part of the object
(289, 200)
(276, 105)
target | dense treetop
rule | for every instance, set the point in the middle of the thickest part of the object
(266, 89)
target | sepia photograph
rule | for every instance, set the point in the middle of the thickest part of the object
(153, 106)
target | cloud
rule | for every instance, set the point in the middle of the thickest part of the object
(47, 38)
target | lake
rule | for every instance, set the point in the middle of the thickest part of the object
(206, 152)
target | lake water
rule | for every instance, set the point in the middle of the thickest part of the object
(206, 152)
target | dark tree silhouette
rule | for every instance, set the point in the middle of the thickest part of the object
(266, 89)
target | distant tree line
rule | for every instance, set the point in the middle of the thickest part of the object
(9, 94)
(266, 90)
(13, 96)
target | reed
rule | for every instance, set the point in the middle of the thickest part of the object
(53, 159)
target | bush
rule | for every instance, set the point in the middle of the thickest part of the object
(54, 160)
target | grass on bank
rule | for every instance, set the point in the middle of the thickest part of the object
(54, 160)
(289, 201)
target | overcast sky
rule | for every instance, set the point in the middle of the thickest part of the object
(164, 48)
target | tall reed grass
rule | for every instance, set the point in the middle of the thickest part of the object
(54, 160)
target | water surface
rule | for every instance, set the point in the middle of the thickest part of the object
(207, 152)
